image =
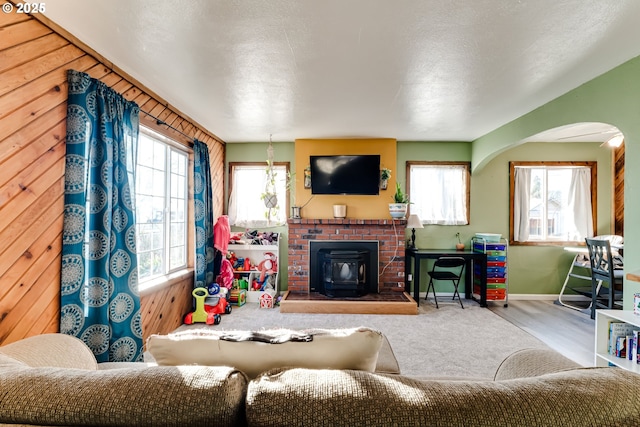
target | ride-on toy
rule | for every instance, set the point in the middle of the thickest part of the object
(206, 313)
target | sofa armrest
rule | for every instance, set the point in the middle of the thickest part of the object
(532, 362)
(53, 350)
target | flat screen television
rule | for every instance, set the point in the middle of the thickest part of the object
(358, 174)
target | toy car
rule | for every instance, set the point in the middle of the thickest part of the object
(206, 313)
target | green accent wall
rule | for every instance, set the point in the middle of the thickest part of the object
(532, 269)
(613, 98)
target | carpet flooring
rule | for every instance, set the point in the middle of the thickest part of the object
(448, 341)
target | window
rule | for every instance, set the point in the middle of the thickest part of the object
(439, 191)
(161, 206)
(552, 202)
(246, 187)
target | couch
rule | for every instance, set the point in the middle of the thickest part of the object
(53, 379)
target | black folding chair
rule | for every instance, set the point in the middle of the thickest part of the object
(446, 268)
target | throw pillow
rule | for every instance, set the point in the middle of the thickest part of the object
(8, 361)
(256, 352)
(52, 350)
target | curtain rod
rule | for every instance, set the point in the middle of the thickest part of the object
(159, 121)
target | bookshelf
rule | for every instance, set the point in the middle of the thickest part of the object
(602, 356)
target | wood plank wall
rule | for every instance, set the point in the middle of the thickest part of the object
(618, 190)
(34, 57)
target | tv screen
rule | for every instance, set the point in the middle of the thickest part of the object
(345, 174)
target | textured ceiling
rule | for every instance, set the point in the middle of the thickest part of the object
(414, 70)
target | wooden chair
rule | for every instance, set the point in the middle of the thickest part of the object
(580, 269)
(446, 268)
(606, 279)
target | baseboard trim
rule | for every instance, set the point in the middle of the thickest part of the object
(547, 297)
(521, 297)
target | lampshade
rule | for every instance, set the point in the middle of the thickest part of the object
(414, 221)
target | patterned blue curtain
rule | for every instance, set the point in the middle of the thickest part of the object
(100, 303)
(203, 215)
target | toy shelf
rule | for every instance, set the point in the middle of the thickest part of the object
(256, 254)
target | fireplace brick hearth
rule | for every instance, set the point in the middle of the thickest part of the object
(388, 232)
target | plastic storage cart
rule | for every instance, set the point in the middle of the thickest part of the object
(497, 272)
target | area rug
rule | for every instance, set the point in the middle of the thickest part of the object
(449, 341)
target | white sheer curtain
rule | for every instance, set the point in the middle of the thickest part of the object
(246, 208)
(580, 224)
(439, 194)
(521, 204)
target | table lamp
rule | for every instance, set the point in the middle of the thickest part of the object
(414, 222)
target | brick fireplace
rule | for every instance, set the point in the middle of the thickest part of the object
(387, 232)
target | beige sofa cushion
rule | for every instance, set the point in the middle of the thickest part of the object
(179, 396)
(579, 397)
(355, 348)
(52, 350)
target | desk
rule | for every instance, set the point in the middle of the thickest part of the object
(412, 259)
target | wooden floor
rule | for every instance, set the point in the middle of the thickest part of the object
(568, 331)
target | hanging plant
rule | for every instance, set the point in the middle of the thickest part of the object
(269, 197)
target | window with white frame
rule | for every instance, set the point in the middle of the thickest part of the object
(247, 182)
(551, 202)
(439, 191)
(161, 205)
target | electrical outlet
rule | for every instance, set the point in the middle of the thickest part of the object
(410, 277)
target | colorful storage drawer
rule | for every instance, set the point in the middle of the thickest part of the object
(493, 294)
(496, 294)
(488, 247)
(496, 263)
(495, 253)
(496, 286)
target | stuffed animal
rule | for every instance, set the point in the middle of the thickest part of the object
(267, 266)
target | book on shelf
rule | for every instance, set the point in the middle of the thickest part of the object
(621, 347)
(619, 331)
